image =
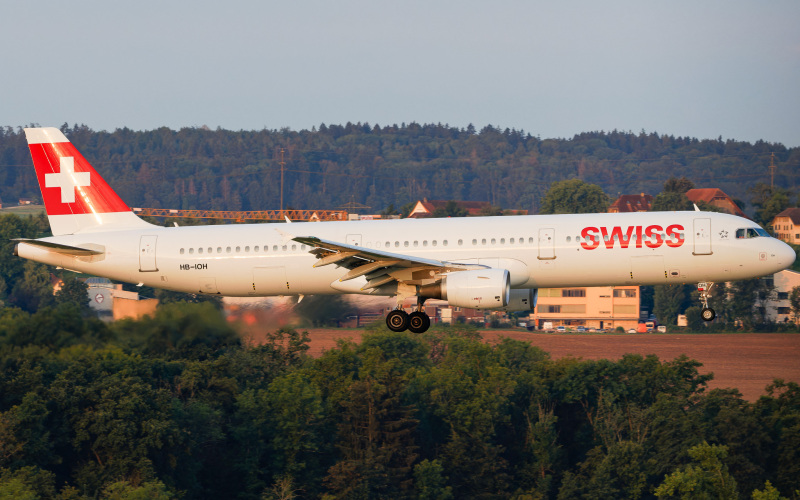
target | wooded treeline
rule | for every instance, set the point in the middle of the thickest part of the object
(393, 165)
(178, 405)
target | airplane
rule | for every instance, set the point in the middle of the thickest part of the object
(479, 262)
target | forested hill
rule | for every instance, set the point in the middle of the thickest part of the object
(381, 166)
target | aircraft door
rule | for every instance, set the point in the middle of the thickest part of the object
(702, 237)
(547, 243)
(147, 254)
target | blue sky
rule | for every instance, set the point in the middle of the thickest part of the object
(686, 68)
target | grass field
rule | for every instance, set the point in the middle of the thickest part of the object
(745, 361)
(23, 211)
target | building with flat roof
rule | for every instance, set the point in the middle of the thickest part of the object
(605, 307)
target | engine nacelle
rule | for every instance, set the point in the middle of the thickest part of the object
(522, 300)
(477, 289)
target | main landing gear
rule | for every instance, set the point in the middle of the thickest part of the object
(416, 322)
(707, 313)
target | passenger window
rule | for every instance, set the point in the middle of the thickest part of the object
(396, 244)
(474, 241)
(246, 249)
(255, 249)
(530, 240)
(511, 241)
(228, 249)
(405, 244)
(569, 239)
(460, 242)
(433, 242)
(274, 248)
(210, 250)
(502, 241)
(219, 249)
(191, 251)
(181, 251)
(283, 248)
(483, 241)
(200, 250)
(494, 241)
(424, 243)
(444, 242)
(416, 243)
(238, 249)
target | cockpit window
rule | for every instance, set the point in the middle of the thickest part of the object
(751, 232)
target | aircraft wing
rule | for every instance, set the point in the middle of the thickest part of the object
(378, 266)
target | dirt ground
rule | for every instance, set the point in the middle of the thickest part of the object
(748, 362)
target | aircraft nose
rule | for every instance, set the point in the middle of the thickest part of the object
(784, 254)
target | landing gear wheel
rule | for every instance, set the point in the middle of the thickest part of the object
(418, 322)
(708, 314)
(397, 320)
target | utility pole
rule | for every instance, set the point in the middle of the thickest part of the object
(772, 171)
(283, 164)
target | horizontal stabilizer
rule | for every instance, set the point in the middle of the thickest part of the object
(59, 247)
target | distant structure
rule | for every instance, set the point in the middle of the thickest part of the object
(25, 201)
(786, 226)
(604, 307)
(643, 202)
(717, 198)
(631, 203)
(779, 307)
(425, 208)
(111, 302)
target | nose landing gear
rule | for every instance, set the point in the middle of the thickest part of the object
(707, 313)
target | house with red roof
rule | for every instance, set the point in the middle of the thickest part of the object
(717, 198)
(786, 226)
(631, 203)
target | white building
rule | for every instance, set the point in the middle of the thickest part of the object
(779, 309)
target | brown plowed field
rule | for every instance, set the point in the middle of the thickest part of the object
(748, 362)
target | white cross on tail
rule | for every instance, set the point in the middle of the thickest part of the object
(67, 179)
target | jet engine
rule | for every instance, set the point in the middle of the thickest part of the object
(475, 289)
(522, 300)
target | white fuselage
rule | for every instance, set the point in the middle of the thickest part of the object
(538, 251)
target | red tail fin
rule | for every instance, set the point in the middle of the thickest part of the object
(75, 197)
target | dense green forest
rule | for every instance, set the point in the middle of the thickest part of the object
(176, 405)
(394, 165)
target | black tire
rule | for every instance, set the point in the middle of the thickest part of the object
(708, 314)
(418, 322)
(397, 320)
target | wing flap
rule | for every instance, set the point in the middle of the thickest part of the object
(378, 266)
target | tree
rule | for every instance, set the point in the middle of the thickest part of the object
(794, 300)
(34, 290)
(574, 196)
(668, 302)
(671, 201)
(705, 477)
(450, 209)
(675, 185)
(769, 202)
(74, 291)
